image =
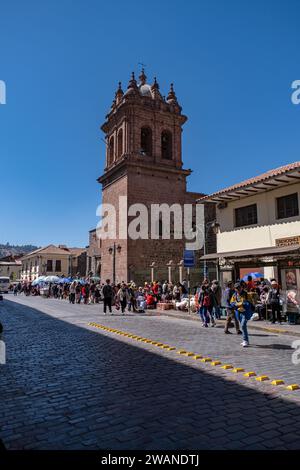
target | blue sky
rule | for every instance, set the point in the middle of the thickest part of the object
(232, 63)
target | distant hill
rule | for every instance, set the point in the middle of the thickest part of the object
(6, 250)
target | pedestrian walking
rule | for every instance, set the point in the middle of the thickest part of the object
(78, 293)
(216, 298)
(108, 294)
(72, 293)
(229, 291)
(123, 297)
(243, 310)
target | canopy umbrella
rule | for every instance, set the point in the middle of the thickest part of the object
(65, 280)
(38, 280)
(51, 279)
(255, 275)
(80, 281)
(95, 278)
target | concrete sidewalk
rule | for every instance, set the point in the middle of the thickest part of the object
(284, 329)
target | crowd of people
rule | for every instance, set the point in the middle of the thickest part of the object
(123, 295)
(241, 300)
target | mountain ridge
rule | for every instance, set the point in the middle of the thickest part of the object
(7, 249)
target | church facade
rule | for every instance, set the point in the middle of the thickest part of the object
(143, 132)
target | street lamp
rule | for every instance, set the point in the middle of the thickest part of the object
(112, 250)
(215, 226)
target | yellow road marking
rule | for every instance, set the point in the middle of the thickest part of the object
(293, 387)
(277, 382)
(262, 378)
(250, 374)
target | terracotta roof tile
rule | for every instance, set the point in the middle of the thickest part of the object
(55, 250)
(256, 179)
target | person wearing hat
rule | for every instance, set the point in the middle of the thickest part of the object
(274, 301)
(229, 291)
(239, 302)
(123, 297)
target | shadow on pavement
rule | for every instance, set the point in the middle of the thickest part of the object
(66, 387)
(274, 346)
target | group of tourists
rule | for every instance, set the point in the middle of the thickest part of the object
(139, 299)
(243, 300)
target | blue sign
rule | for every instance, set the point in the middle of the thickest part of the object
(189, 259)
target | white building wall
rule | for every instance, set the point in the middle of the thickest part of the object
(268, 228)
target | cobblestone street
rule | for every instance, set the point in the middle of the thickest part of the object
(70, 385)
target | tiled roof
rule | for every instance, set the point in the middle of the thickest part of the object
(55, 250)
(264, 177)
(76, 251)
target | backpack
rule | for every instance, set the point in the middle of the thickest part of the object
(274, 296)
(107, 291)
(206, 300)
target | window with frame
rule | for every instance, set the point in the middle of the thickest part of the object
(166, 145)
(287, 206)
(58, 265)
(49, 265)
(146, 141)
(120, 144)
(111, 150)
(246, 215)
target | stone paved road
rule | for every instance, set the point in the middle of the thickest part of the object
(68, 385)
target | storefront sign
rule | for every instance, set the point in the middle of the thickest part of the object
(289, 241)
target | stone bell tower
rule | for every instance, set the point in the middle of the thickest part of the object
(143, 162)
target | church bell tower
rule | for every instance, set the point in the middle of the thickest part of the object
(143, 161)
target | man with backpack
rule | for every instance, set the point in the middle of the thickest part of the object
(205, 305)
(108, 294)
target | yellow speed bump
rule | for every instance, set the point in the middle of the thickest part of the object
(197, 357)
(262, 378)
(206, 359)
(216, 363)
(165, 346)
(277, 382)
(159, 344)
(238, 369)
(171, 348)
(181, 351)
(293, 387)
(189, 354)
(250, 374)
(227, 366)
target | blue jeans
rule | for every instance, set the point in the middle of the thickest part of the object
(217, 312)
(204, 314)
(244, 329)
